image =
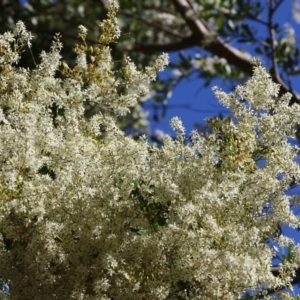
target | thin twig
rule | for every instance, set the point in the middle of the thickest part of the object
(271, 11)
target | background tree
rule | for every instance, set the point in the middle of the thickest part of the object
(227, 34)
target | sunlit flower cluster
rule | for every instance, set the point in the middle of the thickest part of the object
(89, 213)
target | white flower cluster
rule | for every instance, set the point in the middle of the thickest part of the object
(88, 213)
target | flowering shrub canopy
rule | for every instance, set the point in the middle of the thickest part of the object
(88, 213)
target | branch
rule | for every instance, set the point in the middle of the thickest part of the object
(271, 11)
(207, 39)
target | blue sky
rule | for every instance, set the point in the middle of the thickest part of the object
(202, 100)
(189, 92)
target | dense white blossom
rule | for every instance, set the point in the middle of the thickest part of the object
(89, 213)
(176, 124)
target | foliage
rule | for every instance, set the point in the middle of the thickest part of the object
(89, 213)
(224, 34)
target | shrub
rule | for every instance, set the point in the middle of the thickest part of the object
(89, 213)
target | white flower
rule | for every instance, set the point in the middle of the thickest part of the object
(82, 31)
(176, 124)
(81, 60)
(176, 73)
